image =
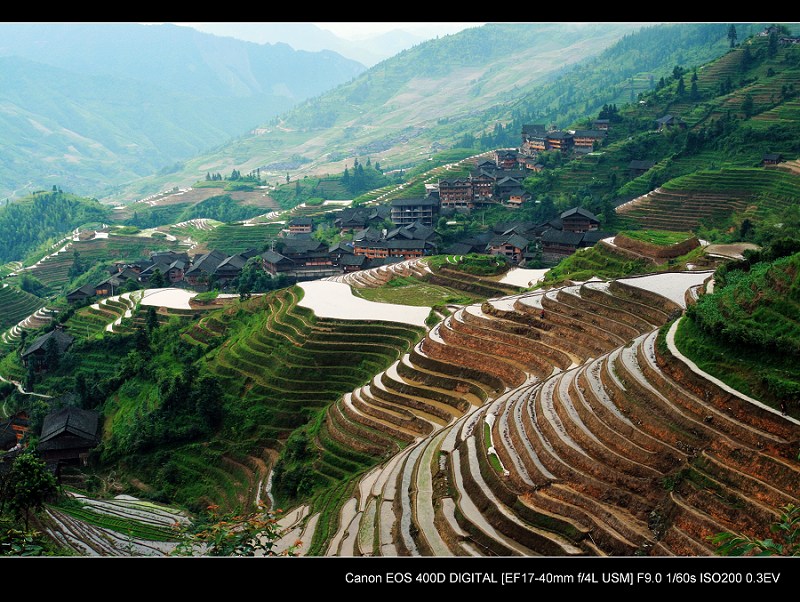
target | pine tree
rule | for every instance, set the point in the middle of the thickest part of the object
(732, 34)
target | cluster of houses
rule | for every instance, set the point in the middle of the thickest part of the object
(783, 40)
(489, 183)
(548, 242)
(387, 233)
(175, 269)
(536, 138)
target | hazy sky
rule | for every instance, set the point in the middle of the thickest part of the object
(351, 30)
(361, 30)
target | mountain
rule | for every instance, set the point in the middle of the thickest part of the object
(395, 111)
(307, 36)
(107, 103)
(449, 91)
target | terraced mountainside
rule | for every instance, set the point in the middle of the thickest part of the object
(555, 421)
(709, 197)
(592, 439)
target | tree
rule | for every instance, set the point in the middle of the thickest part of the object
(255, 534)
(51, 355)
(694, 93)
(747, 105)
(732, 35)
(786, 542)
(772, 46)
(30, 485)
(681, 86)
(157, 279)
(151, 322)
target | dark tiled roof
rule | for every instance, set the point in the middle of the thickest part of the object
(273, 257)
(207, 263)
(87, 290)
(534, 129)
(418, 202)
(301, 221)
(356, 260)
(459, 248)
(396, 244)
(581, 212)
(62, 339)
(234, 261)
(562, 237)
(559, 135)
(772, 157)
(83, 423)
(593, 236)
(301, 245)
(340, 247)
(589, 134)
(668, 119)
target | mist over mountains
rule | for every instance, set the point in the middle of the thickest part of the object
(90, 105)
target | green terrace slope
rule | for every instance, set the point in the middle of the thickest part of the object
(54, 270)
(16, 305)
(278, 366)
(747, 333)
(712, 198)
(735, 109)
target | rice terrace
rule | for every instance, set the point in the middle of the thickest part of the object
(564, 324)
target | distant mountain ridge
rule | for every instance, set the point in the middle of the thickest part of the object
(461, 87)
(101, 104)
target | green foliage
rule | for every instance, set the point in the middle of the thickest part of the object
(595, 261)
(222, 208)
(785, 540)
(30, 484)
(228, 534)
(657, 237)
(16, 542)
(759, 308)
(44, 217)
(206, 296)
(479, 264)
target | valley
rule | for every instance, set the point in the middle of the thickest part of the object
(575, 339)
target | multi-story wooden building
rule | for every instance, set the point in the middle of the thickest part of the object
(579, 220)
(506, 159)
(584, 140)
(510, 244)
(559, 141)
(300, 225)
(407, 211)
(534, 138)
(456, 193)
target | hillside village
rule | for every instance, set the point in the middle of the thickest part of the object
(520, 352)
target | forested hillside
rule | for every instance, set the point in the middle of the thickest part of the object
(43, 218)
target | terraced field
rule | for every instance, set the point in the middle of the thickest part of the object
(556, 423)
(235, 238)
(123, 526)
(53, 271)
(289, 363)
(16, 305)
(684, 203)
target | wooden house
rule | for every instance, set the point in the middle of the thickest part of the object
(68, 435)
(300, 225)
(579, 220)
(407, 211)
(37, 352)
